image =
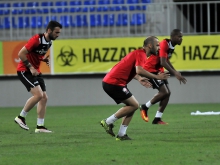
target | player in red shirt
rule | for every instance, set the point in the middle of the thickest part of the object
(115, 85)
(29, 73)
(155, 65)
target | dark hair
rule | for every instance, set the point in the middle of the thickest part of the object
(52, 24)
(175, 32)
(149, 40)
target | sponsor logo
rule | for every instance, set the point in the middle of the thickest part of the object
(125, 90)
(42, 51)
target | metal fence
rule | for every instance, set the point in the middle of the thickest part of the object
(96, 20)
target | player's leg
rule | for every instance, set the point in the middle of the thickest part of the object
(33, 87)
(127, 113)
(107, 123)
(131, 105)
(41, 108)
(37, 95)
(118, 94)
(30, 103)
(162, 92)
(162, 105)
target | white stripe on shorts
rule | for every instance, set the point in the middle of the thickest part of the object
(22, 72)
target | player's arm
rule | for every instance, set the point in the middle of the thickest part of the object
(168, 61)
(168, 66)
(138, 77)
(143, 73)
(22, 54)
(46, 59)
(143, 81)
(164, 56)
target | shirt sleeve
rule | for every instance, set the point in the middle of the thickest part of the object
(32, 43)
(140, 59)
(163, 49)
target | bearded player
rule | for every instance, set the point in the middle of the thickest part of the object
(115, 85)
(29, 73)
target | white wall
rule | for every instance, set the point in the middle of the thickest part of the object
(88, 91)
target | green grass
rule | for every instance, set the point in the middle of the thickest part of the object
(80, 140)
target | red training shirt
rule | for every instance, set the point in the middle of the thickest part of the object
(37, 47)
(124, 71)
(153, 62)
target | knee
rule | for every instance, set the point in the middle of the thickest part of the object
(133, 106)
(39, 95)
(45, 97)
(136, 106)
(167, 94)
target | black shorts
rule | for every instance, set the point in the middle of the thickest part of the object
(157, 83)
(117, 93)
(31, 81)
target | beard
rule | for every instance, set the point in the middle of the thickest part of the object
(51, 36)
(154, 52)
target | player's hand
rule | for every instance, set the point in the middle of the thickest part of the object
(144, 81)
(47, 60)
(180, 78)
(163, 75)
(33, 71)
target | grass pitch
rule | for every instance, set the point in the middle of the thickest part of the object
(78, 138)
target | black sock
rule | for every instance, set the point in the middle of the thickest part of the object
(143, 106)
(156, 119)
(40, 126)
(20, 117)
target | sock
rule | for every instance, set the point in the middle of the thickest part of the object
(23, 113)
(122, 130)
(148, 104)
(143, 106)
(40, 122)
(158, 114)
(111, 119)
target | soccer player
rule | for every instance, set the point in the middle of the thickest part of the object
(115, 85)
(29, 73)
(155, 65)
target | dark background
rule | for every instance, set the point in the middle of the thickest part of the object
(215, 25)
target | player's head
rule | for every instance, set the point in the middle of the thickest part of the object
(151, 45)
(53, 29)
(176, 37)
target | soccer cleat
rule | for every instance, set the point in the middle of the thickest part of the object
(108, 128)
(121, 138)
(159, 121)
(42, 129)
(162, 122)
(21, 122)
(144, 114)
